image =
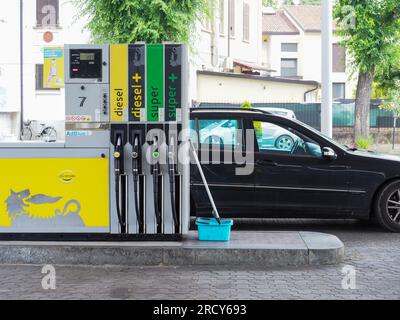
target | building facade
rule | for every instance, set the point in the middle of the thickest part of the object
(46, 23)
(231, 38)
(292, 48)
(229, 61)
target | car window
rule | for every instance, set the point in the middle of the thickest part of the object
(278, 139)
(222, 132)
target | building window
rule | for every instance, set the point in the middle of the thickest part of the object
(39, 79)
(289, 47)
(47, 13)
(339, 91)
(339, 58)
(232, 18)
(221, 16)
(288, 67)
(246, 22)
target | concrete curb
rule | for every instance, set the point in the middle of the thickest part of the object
(261, 249)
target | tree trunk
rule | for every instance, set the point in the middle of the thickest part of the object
(363, 102)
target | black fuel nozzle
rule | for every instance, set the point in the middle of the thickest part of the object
(136, 155)
(171, 161)
(118, 156)
(155, 155)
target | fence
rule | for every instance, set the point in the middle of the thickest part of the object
(310, 113)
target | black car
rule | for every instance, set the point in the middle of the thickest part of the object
(297, 172)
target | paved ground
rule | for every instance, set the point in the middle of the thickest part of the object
(373, 253)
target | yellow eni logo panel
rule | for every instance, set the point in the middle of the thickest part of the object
(46, 193)
(119, 82)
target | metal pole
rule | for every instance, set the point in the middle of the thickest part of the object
(229, 28)
(394, 132)
(21, 39)
(327, 94)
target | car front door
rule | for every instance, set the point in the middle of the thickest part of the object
(220, 146)
(292, 177)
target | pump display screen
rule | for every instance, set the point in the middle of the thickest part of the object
(86, 64)
(87, 56)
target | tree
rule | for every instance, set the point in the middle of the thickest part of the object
(392, 104)
(152, 21)
(370, 40)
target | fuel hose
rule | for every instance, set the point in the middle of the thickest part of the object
(171, 172)
(136, 159)
(118, 173)
(156, 172)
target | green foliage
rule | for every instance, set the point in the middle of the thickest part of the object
(387, 79)
(151, 21)
(364, 143)
(392, 103)
(375, 33)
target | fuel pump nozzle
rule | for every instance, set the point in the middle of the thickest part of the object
(119, 172)
(136, 158)
(171, 173)
(155, 171)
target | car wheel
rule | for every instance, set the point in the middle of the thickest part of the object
(285, 143)
(387, 207)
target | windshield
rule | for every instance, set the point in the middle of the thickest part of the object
(337, 144)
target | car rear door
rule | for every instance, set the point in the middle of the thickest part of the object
(221, 145)
(296, 182)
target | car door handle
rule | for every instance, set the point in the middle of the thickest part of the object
(266, 163)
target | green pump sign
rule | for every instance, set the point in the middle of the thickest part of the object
(155, 82)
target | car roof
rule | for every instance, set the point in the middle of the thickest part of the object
(276, 109)
(229, 110)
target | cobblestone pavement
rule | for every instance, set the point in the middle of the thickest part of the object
(374, 253)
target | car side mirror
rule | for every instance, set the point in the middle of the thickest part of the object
(329, 154)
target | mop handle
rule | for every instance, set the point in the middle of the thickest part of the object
(196, 159)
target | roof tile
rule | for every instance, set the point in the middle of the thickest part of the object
(309, 17)
(278, 23)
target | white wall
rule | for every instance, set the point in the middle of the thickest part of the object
(272, 47)
(222, 89)
(9, 68)
(249, 51)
